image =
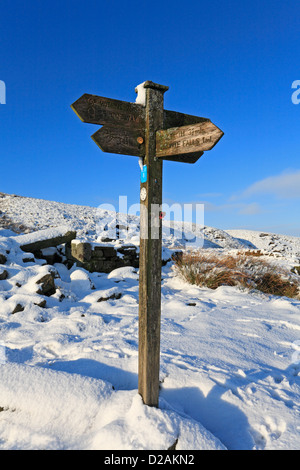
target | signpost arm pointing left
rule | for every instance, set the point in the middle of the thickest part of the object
(95, 109)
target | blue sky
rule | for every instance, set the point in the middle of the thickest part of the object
(233, 62)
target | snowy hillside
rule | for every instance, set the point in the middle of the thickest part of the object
(230, 359)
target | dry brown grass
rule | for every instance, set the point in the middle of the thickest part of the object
(243, 270)
(251, 253)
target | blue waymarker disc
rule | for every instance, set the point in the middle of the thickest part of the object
(144, 174)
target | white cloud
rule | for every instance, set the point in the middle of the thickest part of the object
(238, 208)
(285, 186)
(251, 209)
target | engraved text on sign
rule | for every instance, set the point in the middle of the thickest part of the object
(186, 139)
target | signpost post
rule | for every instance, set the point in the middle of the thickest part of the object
(154, 134)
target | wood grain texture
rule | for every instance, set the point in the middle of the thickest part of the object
(176, 119)
(95, 109)
(120, 140)
(184, 157)
(193, 138)
(150, 253)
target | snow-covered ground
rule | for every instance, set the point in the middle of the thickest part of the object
(230, 359)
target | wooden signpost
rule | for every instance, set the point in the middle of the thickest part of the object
(154, 134)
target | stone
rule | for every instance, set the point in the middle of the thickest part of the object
(96, 265)
(173, 446)
(47, 285)
(131, 250)
(41, 304)
(48, 238)
(3, 274)
(115, 296)
(108, 251)
(18, 308)
(98, 252)
(3, 259)
(296, 270)
(28, 259)
(81, 251)
(51, 255)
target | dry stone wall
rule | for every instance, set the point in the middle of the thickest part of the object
(47, 244)
(100, 258)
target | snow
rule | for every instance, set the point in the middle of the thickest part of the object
(40, 235)
(141, 94)
(230, 359)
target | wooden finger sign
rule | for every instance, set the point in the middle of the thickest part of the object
(95, 109)
(193, 138)
(120, 140)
